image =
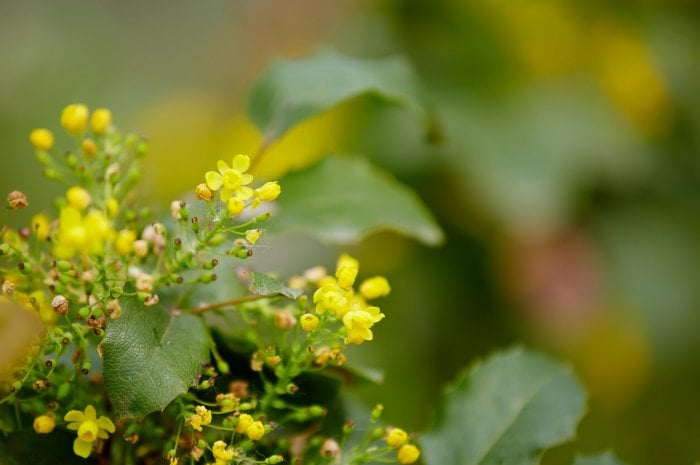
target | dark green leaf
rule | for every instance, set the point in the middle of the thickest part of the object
(506, 411)
(291, 91)
(151, 355)
(607, 458)
(262, 284)
(342, 199)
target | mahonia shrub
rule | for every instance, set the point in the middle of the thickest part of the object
(135, 361)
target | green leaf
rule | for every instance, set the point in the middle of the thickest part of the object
(291, 91)
(607, 458)
(262, 284)
(506, 411)
(342, 199)
(151, 355)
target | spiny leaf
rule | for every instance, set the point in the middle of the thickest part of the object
(151, 355)
(342, 199)
(291, 91)
(506, 411)
(262, 284)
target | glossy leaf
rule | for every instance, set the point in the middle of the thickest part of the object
(342, 199)
(291, 91)
(506, 411)
(151, 355)
(262, 284)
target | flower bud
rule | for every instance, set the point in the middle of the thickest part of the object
(101, 120)
(42, 139)
(74, 119)
(78, 198)
(203, 192)
(60, 304)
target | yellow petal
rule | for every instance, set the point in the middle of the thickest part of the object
(82, 448)
(221, 166)
(105, 424)
(74, 415)
(90, 413)
(240, 163)
(226, 194)
(214, 180)
(246, 179)
(74, 426)
(244, 193)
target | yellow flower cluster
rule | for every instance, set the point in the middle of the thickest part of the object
(397, 439)
(254, 429)
(337, 296)
(233, 183)
(83, 230)
(223, 454)
(74, 120)
(201, 416)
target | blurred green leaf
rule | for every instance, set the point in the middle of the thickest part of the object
(342, 199)
(506, 411)
(607, 458)
(151, 355)
(262, 284)
(291, 91)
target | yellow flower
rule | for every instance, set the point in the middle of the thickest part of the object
(331, 297)
(231, 180)
(408, 454)
(89, 428)
(124, 242)
(44, 424)
(78, 198)
(346, 271)
(244, 421)
(266, 193)
(396, 438)
(358, 323)
(201, 416)
(74, 118)
(222, 453)
(255, 431)
(308, 322)
(40, 226)
(235, 206)
(78, 234)
(253, 235)
(375, 287)
(41, 139)
(101, 120)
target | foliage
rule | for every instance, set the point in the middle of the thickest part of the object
(130, 302)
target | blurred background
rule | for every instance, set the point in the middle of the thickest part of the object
(566, 178)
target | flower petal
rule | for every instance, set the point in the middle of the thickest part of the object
(221, 166)
(244, 192)
(75, 425)
(240, 163)
(74, 415)
(105, 424)
(214, 180)
(226, 194)
(82, 448)
(90, 413)
(246, 179)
